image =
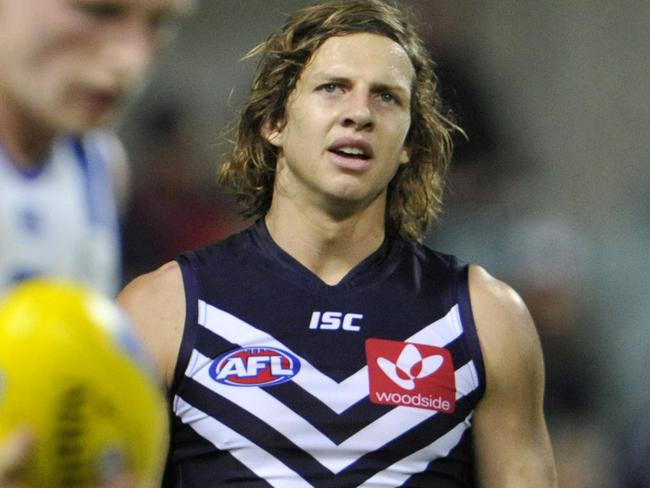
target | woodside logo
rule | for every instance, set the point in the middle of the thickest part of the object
(411, 375)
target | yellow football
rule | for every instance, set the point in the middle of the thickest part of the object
(72, 371)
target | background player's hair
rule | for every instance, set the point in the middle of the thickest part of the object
(414, 194)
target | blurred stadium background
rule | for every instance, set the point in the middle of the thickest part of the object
(550, 193)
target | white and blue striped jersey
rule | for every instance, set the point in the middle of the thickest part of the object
(60, 220)
(285, 381)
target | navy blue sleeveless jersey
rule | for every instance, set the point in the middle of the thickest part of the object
(285, 381)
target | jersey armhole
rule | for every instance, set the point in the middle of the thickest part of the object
(190, 286)
(469, 326)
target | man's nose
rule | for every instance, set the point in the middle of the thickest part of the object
(132, 50)
(357, 111)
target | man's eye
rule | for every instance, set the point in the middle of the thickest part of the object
(329, 87)
(388, 97)
(102, 10)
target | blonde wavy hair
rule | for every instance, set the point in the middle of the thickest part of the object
(415, 192)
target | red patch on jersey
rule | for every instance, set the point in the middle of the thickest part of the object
(411, 375)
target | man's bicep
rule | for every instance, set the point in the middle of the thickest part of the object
(155, 304)
(511, 439)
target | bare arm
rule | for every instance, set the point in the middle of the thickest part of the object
(14, 451)
(155, 303)
(512, 444)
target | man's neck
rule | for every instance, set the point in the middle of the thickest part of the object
(26, 141)
(328, 247)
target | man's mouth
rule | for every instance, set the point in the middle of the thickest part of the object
(100, 102)
(352, 148)
(351, 152)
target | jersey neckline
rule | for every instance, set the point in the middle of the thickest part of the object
(31, 173)
(367, 271)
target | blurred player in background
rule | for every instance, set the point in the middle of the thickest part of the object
(65, 67)
(325, 345)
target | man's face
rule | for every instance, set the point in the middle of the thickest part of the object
(68, 63)
(346, 123)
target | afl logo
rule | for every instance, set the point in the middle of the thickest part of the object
(254, 366)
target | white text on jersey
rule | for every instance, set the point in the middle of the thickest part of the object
(335, 321)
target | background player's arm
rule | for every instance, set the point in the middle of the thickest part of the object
(14, 450)
(511, 440)
(155, 303)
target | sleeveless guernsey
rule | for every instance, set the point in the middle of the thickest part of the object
(285, 381)
(61, 219)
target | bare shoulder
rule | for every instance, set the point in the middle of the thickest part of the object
(155, 303)
(155, 288)
(505, 327)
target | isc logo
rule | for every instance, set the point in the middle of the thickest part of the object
(335, 321)
(254, 366)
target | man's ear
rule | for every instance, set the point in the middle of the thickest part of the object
(273, 134)
(405, 155)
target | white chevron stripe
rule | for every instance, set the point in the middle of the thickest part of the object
(396, 474)
(281, 418)
(337, 396)
(263, 464)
